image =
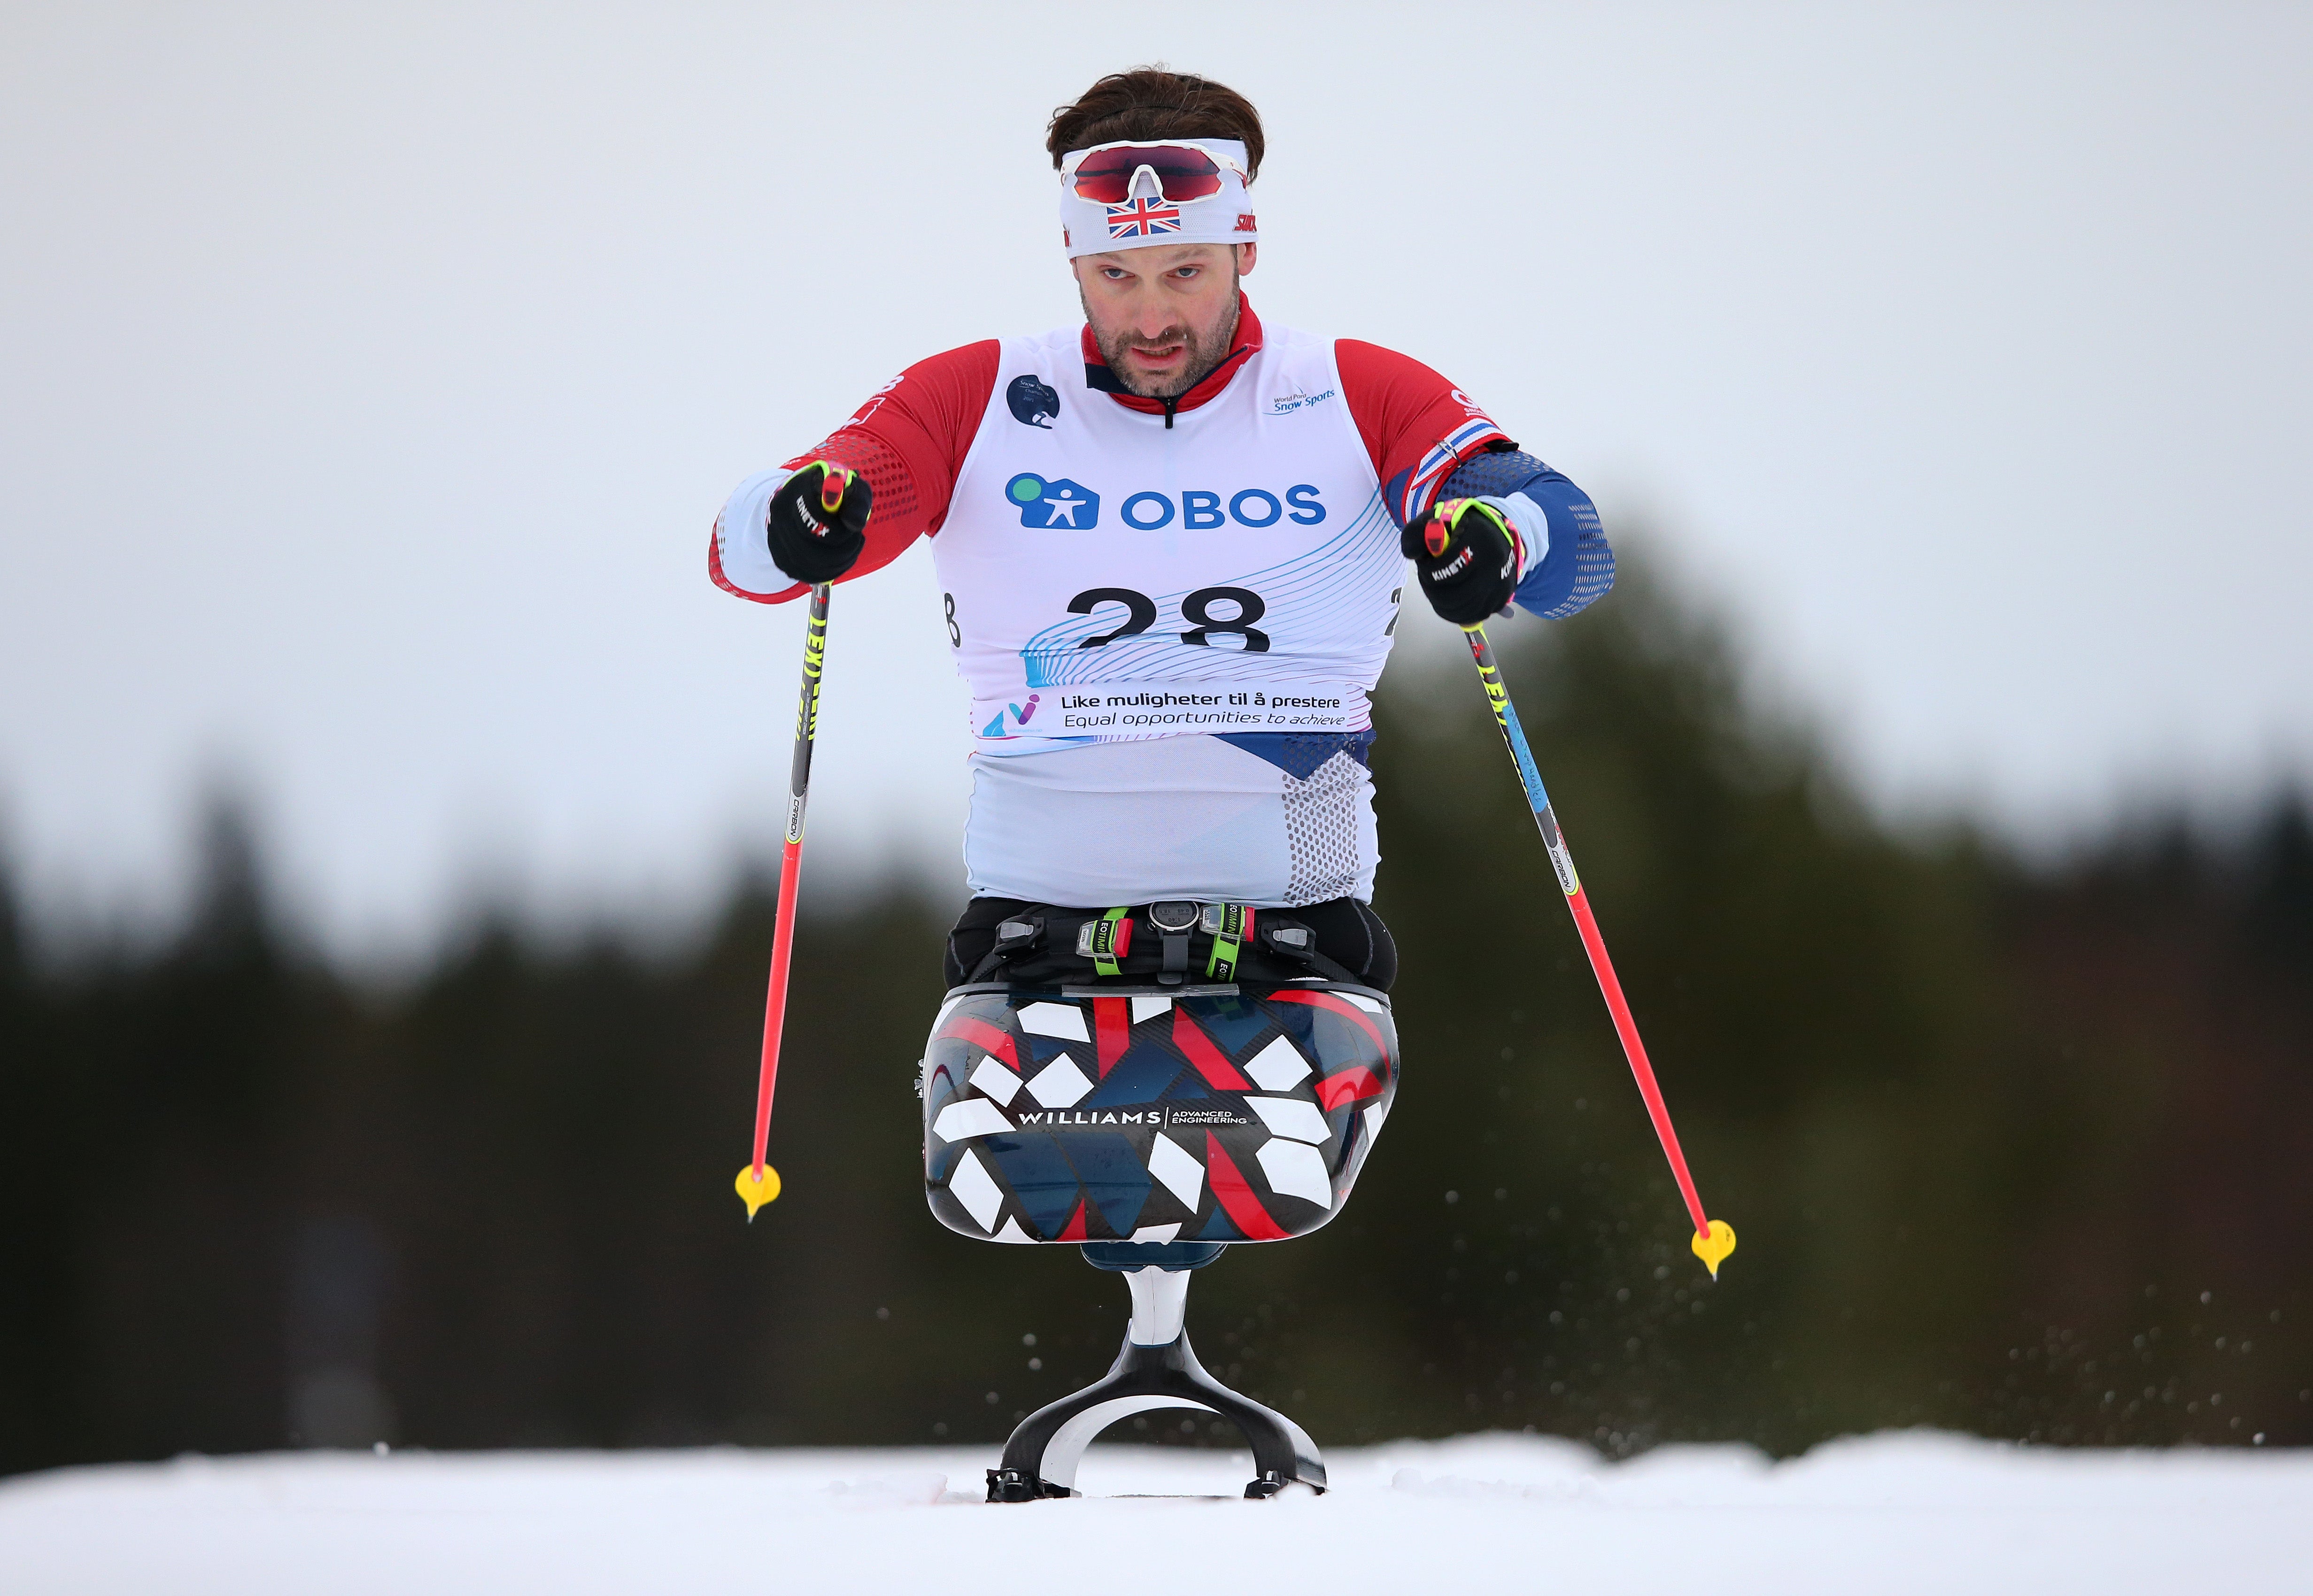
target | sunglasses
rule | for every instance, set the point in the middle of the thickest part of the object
(1106, 173)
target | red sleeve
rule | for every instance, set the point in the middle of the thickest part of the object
(1417, 426)
(909, 441)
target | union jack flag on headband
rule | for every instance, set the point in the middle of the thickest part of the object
(1143, 218)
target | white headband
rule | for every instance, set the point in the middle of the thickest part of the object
(1147, 217)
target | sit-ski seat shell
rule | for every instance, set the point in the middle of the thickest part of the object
(1149, 1115)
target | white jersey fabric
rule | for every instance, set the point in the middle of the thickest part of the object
(1169, 634)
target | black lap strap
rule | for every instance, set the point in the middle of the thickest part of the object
(1162, 943)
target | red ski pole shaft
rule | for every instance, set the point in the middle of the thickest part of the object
(775, 1001)
(1635, 1050)
(1712, 1240)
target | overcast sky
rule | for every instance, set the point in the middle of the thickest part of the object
(373, 375)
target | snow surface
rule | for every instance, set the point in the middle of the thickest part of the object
(1889, 1513)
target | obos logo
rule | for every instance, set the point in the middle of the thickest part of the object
(1062, 503)
(1057, 503)
(1200, 509)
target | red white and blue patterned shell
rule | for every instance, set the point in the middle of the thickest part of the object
(1141, 1116)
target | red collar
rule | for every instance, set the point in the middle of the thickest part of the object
(1248, 338)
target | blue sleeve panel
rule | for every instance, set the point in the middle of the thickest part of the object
(1580, 567)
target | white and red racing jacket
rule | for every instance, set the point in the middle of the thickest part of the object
(1169, 616)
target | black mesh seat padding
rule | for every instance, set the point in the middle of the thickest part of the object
(1348, 932)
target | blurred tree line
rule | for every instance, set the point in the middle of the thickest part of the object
(2013, 1152)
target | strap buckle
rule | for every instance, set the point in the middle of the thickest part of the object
(1230, 926)
(1106, 941)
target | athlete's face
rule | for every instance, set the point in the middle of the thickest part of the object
(1163, 316)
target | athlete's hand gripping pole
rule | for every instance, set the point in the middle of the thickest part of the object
(758, 1182)
(1713, 1238)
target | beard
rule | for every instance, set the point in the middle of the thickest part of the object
(1207, 348)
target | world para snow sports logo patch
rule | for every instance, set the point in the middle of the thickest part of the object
(1033, 401)
(1286, 404)
(1057, 503)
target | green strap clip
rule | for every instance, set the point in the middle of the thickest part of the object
(1230, 926)
(1106, 941)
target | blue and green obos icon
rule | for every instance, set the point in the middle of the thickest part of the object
(1056, 503)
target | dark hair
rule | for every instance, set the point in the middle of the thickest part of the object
(1150, 102)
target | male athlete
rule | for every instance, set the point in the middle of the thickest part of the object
(1172, 545)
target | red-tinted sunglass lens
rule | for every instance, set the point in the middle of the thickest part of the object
(1105, 176)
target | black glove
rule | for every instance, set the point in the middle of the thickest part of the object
(818, 521)
(1466, 556)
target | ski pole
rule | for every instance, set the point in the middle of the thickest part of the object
(1713, 1238)
(758, 1182)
